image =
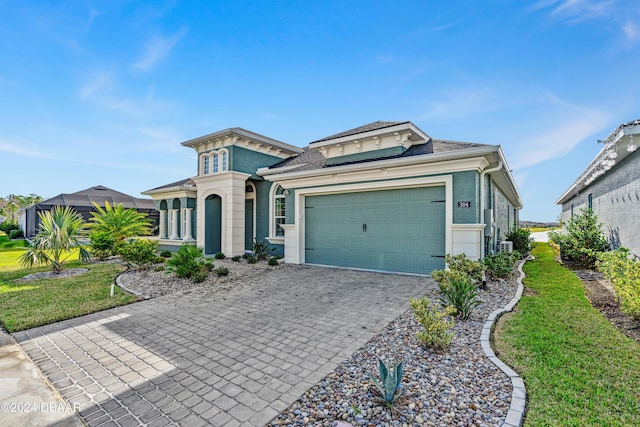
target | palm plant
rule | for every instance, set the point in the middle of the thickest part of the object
(120, 222)
(60, 231)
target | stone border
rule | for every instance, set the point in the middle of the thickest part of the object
(124, 288)
(519, 394)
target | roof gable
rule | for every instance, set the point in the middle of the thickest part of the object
(98, 194)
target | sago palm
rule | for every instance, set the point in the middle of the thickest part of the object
(121, 223)
(59, 233)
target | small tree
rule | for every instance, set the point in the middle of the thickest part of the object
(121, 223)
(60, 231)
(584, 239)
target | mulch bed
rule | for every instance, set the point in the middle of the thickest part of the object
(601, 295)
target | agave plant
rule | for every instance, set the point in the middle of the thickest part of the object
(59, 233)
(389, 386)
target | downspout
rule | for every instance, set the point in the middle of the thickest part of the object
(482, 200)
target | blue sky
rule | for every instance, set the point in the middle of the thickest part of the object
(103, 92)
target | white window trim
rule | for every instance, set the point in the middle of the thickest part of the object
(218, 162)
(273, 238)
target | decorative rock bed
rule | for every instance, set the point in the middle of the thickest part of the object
(458, 387)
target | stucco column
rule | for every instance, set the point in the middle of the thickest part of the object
(163, 224)
(188, 232)
(173, 224)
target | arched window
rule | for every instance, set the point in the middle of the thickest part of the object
(279, 211)
(215, 163)
(224, 165)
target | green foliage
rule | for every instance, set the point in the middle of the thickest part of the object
(390, 385)
(251, 260)
(236, 258)
(120, 222)
(165, 254)
(9, 226)
(60, 231)
(462, 294)
(624, 274)
(140, 253)
(501, 265)
(437, 323)
(102, 244)
(462, 266)
(221, 271)
(219, 255)
(245, 256)
(189, 261)
(584, 239)
(13, 202)
(262, 250)
(273, 261)
(16, 234)
(521, 238)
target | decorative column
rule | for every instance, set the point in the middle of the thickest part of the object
(163, 224)
(188, 232)
(173, 225)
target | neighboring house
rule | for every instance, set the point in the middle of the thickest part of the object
(610, 185)
(82, 202)
(384, 196)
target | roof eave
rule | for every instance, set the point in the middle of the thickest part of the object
(371, 133)
(243, 133)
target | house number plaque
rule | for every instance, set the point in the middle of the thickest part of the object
(464, 204)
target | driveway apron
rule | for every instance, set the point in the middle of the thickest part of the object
(223, 356)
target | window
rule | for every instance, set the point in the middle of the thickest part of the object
(215, 163)
(279, 210)
(206, 165)
(224, 161)
(590, 201)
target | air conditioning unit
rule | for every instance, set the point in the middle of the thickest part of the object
(506, 246)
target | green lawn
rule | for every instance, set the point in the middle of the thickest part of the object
(579, 370)
(39, 302)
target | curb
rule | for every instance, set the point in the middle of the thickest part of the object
(519, 394)
(124, 288)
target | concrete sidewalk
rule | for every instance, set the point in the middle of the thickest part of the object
(26, 398)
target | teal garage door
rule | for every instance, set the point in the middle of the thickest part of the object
(399, 230)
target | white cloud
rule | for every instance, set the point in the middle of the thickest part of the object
(631, 31)
(576, 10)
(463, 102)
(156, 49)
(23, 150)
(97, 83)
(572, 125)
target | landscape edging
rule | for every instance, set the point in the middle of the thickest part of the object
(519, 394)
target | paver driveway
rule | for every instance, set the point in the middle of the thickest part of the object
(222, 356)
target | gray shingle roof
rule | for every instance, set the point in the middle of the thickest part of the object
(361, 129)
(97, 194)
(182, 182)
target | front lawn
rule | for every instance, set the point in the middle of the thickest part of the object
(33, 303)
(579, 370)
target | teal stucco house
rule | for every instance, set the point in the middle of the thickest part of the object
(383, 196)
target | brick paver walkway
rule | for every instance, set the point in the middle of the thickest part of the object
(217, 356)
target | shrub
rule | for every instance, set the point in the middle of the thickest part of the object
(102, 244)
(16, 234)
(120, 222)
(140, 253)
(222, 271)
(273, 261)
(624, 274)
(190, 262)
(459, 266)
(501, 265)
(165, 254)
(8, 226)
(389, 387)
(199, 275)
(236, 258)
(262, 250)
(584, 239)
(436, 322)
(462, 294)
(159, 267)
(521, 238)
(219, 255)
(251, 260)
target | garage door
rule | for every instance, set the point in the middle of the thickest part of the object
(392, 230)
